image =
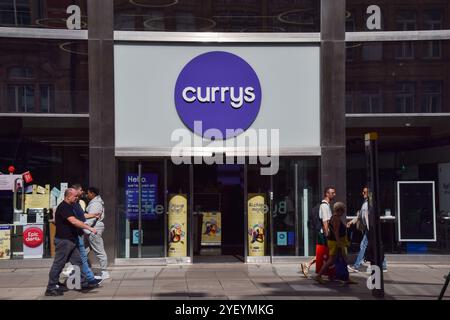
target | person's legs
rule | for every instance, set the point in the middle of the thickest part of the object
(63, 249)
(362, 251)
(75, 259)
(84, 260)
(306, 266)
(96, 242)
(330, 262)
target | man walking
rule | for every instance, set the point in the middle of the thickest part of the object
(82, 216)
(96, 207)
(325, 215)
(362, 219)
(66, 243)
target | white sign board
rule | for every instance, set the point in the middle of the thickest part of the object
(146, 76)
(7, 181)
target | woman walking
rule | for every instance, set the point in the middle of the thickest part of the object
(337, 243)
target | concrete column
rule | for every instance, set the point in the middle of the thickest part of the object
(102, 163)
(333, 164)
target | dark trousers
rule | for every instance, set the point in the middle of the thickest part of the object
(65, 251)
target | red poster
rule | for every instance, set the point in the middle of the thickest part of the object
(27, 177)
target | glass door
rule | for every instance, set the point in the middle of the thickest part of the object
(295, 192)
(141, 208)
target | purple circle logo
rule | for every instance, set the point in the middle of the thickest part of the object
(218, 90)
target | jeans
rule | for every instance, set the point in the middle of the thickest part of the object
(362, 251)
(65, 251)
(84, 260)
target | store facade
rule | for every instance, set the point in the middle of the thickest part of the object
(145, 102)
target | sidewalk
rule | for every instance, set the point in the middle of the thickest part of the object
(230, 282)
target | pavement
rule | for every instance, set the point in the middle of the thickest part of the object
(230, 281)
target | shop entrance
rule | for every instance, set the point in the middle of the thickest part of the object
(218, 213)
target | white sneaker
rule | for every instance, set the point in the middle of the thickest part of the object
(68, 271)
(105, 275)
(352, 269)
(369, 270)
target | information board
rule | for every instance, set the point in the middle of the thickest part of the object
(416, 211)
(149, 198)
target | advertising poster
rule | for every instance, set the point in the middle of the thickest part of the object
(256, 225)
(40, 198)
(33, 241)
(177, 226)
(211, 229)
(149, 199)
(281, 238)
(5, 242)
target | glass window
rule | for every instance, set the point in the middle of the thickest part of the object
(390, 85)
(217, 16)
(401, 15)
(432, 20)
(350, 51)
(42, 75)
(348, 102)
(350, 21)
(405, 50)
(405, 20)
(432, 49)
(20, 73)
(46, 98)
(431, 96)
(410, 148)
(20, 98)
(370, 103)
(39, 14)
(53, 150)
(372, 51)
(405, 97)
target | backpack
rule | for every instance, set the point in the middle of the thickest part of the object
(314, 221)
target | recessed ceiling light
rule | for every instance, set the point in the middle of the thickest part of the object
(408, 124)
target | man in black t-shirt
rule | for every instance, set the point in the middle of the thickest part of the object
(68, 227)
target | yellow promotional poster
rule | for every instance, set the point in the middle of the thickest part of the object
(5, 242)
(256, 225)
(40, 198)
(177, 226)
(212, 229)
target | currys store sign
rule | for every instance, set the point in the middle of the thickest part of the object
(220, 90)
